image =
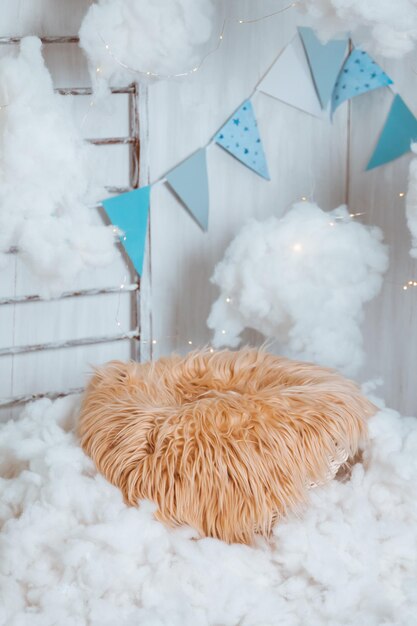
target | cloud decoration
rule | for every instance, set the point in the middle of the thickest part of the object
(388, 26)
(47, 177)
(163, 37)
(302, 279)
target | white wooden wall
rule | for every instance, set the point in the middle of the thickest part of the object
(307, 157)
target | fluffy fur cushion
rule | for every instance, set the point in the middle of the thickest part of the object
(227, 442)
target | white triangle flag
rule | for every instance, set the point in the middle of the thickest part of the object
(290, 81)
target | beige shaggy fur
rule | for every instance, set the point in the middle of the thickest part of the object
(227, 442)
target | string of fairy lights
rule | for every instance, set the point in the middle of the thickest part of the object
(150, 74)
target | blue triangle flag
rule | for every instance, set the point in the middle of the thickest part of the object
(190, 183)
(129, 212)
(359, 74)
(399, 132)
(240, 137)
(325, 61)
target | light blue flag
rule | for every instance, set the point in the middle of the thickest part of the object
(359, 74)
(189, 181)
(399, 132)
(240, 137)
(325, 61)
(129, 212)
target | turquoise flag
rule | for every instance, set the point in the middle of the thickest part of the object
(129, 212)
(189, 181)
(240, 137)
(359, 74)
(399, 132)
(325, 61)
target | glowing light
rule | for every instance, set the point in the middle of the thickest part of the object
(401, 194)
(190, 343)
(297, 247)
(98, 70)
(223, 332)
(405, 287)
(154, 341)
(228, 300)
(211, 350)
(303, 198)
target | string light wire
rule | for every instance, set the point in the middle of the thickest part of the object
(220, 39)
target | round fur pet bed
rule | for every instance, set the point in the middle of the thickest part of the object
(227, 442)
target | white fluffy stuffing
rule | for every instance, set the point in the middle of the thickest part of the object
(46, 177)
(163, 36)
(411, 203)
(388, 26)
(71, 553)
(302, 280)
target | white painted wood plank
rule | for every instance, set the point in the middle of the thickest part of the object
(307, 157)
(391, 322)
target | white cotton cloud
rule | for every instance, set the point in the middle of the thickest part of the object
(47, 177)
(411, 203)
(302, 280)
(162, 37)
(389, 26)
(72, 553)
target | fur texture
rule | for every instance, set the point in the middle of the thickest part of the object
(227, 442)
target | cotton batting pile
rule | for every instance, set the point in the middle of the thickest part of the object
(129, 40)
(71, 553)
(387, 26)
(48, 178)
(301, 280)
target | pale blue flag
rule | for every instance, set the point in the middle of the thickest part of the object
(399, 132)
(129, 212)
(240, 137)
(189, 181)
(359, 74)
(325, 60)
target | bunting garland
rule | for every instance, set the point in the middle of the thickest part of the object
(189, 181)
(240, 137)
(309, 75)
(399, 132)
(325, 62)
(129, 213)
(360, 74)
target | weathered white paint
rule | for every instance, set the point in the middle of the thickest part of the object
(307, 157)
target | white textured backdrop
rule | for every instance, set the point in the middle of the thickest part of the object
(307, 157)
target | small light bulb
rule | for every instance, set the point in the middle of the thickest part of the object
(154, 341)
(228, 300)
(303, 198)
(148, 73)
(223, 332)
(211, 350)
(240, 21)
(405, 287)
(401, 194)
(122, 286)
(410, 282)
(98, 70)
(190, 343)
(107, 46)
(118, 323)
(415, 284)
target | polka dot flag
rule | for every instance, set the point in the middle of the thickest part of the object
(240, 137)
(359, 74)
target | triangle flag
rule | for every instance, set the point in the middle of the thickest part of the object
(325, 60)
(289, 80)
(359, 74)
(129, 212)
(190, 183)
(399, 132)
(240, 137)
